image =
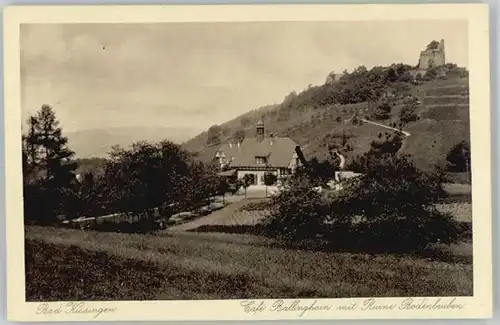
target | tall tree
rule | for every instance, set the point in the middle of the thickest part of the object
(288, 101)
(239, 135)
(331, 78)
(269, 179)
(214, 135)
(225, 131)
(246, 181)
(31, 152)
(146, 176)
(56, 157)
(48, 168)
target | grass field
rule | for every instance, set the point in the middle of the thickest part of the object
(63, 264)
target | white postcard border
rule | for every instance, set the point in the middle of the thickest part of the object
(478, 306)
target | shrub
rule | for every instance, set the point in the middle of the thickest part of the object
(431, 73)
(383, 112)
(296, 214)
(391, 207)
(409, 111)
(270, 179)
(388, 145)
(246, 181)
(141, 226)
(256, 206)
(459, 157)
(320, 172)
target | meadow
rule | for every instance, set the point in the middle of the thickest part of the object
(65, 264)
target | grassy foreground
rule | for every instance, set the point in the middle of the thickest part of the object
(64, 264)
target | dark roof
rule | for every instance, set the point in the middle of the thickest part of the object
(279, 151)
(207, 155)
(227, 173)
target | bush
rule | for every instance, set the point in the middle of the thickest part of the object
(383, 112)
(409, 111)
(459, 158)
(256, 206)
(141, 226)
(296, 214)
(36, 209)
(320, 172)
(390, 208)
(270, 179)
(390, 144)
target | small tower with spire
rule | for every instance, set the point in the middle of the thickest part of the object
(260, 131)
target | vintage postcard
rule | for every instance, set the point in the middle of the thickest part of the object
(248, 162)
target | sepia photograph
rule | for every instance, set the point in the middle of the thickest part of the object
(247, 160)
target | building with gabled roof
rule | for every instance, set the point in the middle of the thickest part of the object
(258, 155)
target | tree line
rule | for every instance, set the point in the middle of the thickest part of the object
(145, 180)
(359, 85)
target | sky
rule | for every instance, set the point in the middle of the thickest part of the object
(198, 74)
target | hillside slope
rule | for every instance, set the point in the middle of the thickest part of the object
(443, 122)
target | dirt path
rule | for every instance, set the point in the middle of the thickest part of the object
(210, 219)
(387, 127)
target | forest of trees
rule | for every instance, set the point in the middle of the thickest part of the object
(360, 85)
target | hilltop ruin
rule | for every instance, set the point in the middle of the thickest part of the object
(433, 56)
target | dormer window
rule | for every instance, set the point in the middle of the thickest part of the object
(260, 160)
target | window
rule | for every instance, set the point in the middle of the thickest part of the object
(284, 171)
(260, 160)
(252, 178)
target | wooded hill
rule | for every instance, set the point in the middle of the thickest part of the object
(433, 109)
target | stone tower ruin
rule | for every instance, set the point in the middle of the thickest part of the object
(432, 56)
